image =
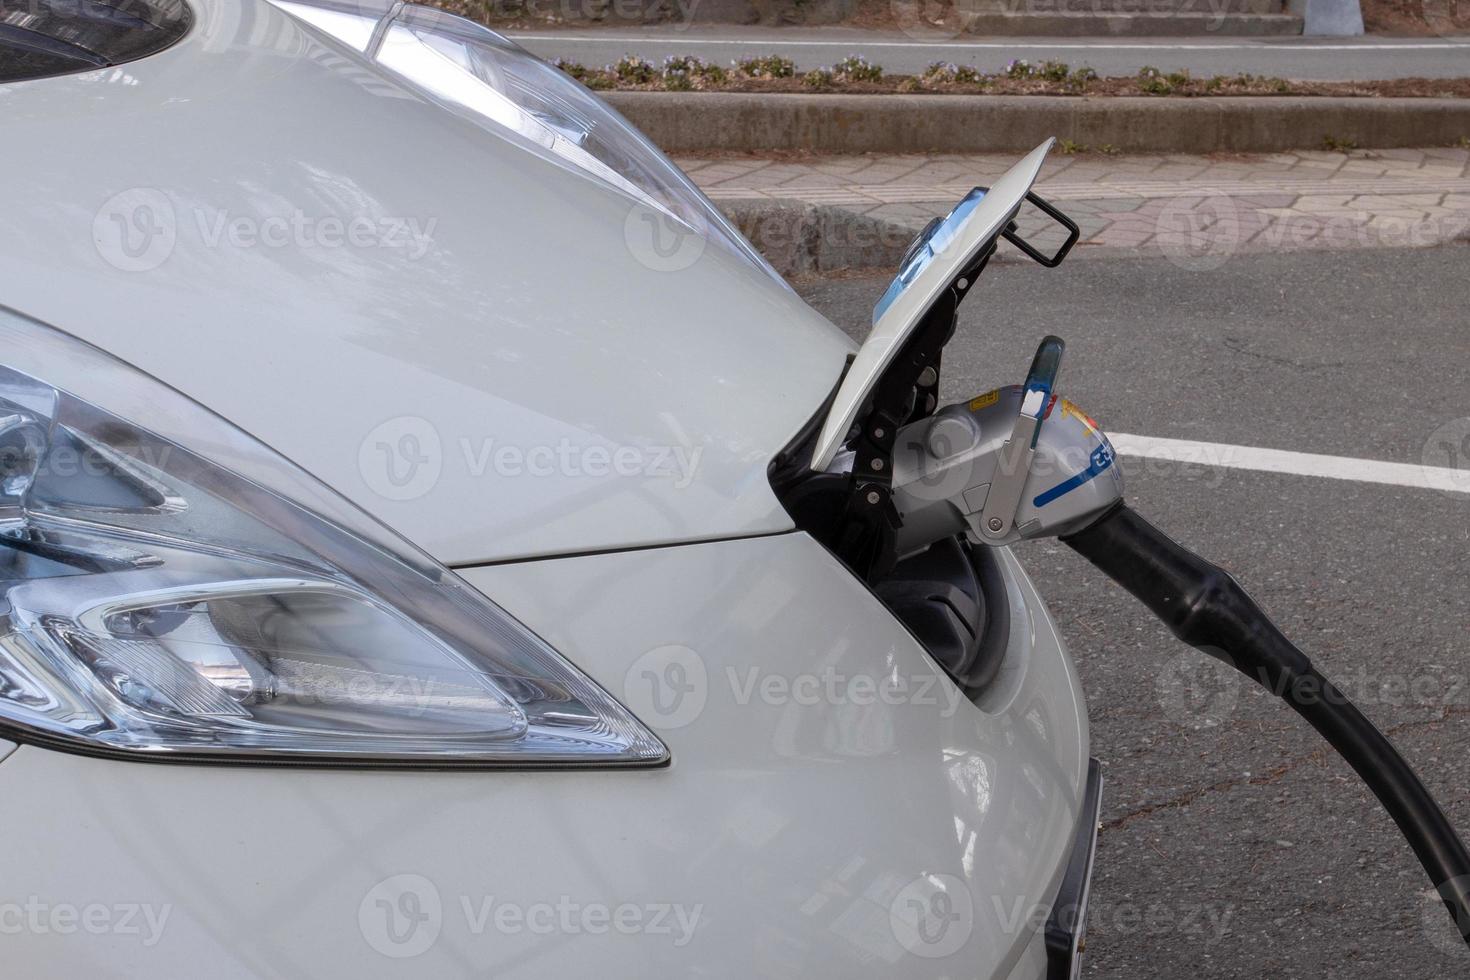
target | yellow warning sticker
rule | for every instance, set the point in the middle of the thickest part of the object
(985, 400)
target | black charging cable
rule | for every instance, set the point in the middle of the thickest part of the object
(1206, 608)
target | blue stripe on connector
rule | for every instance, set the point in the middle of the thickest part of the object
(1102, 458)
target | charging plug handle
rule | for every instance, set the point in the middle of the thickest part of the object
(1204, 606)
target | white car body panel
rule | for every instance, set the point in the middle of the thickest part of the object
(529, 324)
(793, 828)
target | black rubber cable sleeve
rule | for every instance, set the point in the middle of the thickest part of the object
(1204, 606)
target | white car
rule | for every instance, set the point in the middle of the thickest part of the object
(413, 567)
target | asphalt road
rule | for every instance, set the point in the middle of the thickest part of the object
(1233, 845)
(1296, 58)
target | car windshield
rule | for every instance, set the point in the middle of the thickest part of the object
(54, 37)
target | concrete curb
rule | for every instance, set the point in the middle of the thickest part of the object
(801, 239)
(699, 122)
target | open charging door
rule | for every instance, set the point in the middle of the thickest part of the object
(937, 264)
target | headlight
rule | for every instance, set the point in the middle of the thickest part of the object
(173, 589)
(501, 85)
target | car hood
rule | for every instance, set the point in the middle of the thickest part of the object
(461, 337)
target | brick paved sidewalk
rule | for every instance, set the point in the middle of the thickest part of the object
(1195, 210)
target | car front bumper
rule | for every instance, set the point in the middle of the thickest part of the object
(834, 807)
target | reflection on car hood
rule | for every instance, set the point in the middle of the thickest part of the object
(496, 355)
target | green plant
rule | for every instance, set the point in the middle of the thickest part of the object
(941, 73)
(769, 66)
(632, 70)
(1151, 81)
(1020, 69)
(818, 78)
(1334, 145)
(577, 71)
(856, 68)
(684, 72)
(1463, 142)
(1078, 80)
(1053, 71)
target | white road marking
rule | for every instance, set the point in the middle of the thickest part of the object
(1294, 463)
(1005, 46)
